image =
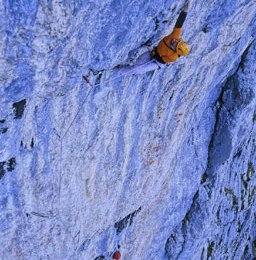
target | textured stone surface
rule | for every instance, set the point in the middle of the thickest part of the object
(161, 165)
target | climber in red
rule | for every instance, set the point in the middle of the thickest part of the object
(117, 255)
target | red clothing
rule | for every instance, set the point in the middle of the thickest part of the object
(116, 255)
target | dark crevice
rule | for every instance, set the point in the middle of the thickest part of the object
(101, 257)
(127, 221)
(3, 130)
(210, 249)
(205, 29)
(2, 170)
(7, 166)
(202, 254)
(246, 254)
(172, 241)
(254, 117)
(190, 211)
(147, 43)
(11, 164)
(219, 104)
(238, 153)
(37, 214)
(187, 218)
(19, 108)
(204, 178)
(254, 248)
(84, 245)
(32, 143)
(243, 57)
(156, 20)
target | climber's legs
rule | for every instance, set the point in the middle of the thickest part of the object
(143, 64)
(144, 58)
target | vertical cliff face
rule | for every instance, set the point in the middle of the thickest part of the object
(160, 165)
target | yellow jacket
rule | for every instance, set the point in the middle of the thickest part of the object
(163, 49)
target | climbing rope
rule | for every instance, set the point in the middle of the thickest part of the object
(61, 138)
(93, 86)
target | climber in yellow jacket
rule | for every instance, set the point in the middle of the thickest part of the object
(169, 49)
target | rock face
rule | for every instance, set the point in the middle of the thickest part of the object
(156, 166)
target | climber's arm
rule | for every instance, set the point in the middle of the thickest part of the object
(180, 21)
(183, 15)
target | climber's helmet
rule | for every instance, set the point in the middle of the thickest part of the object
(182, 48)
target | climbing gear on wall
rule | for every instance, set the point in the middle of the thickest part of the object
(86, 78)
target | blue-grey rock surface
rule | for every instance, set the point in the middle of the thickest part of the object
(157, 166)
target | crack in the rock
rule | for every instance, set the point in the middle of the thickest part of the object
(219, 106)
(184, 222)
(208, 179)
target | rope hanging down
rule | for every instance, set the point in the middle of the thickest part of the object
(93, 86)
